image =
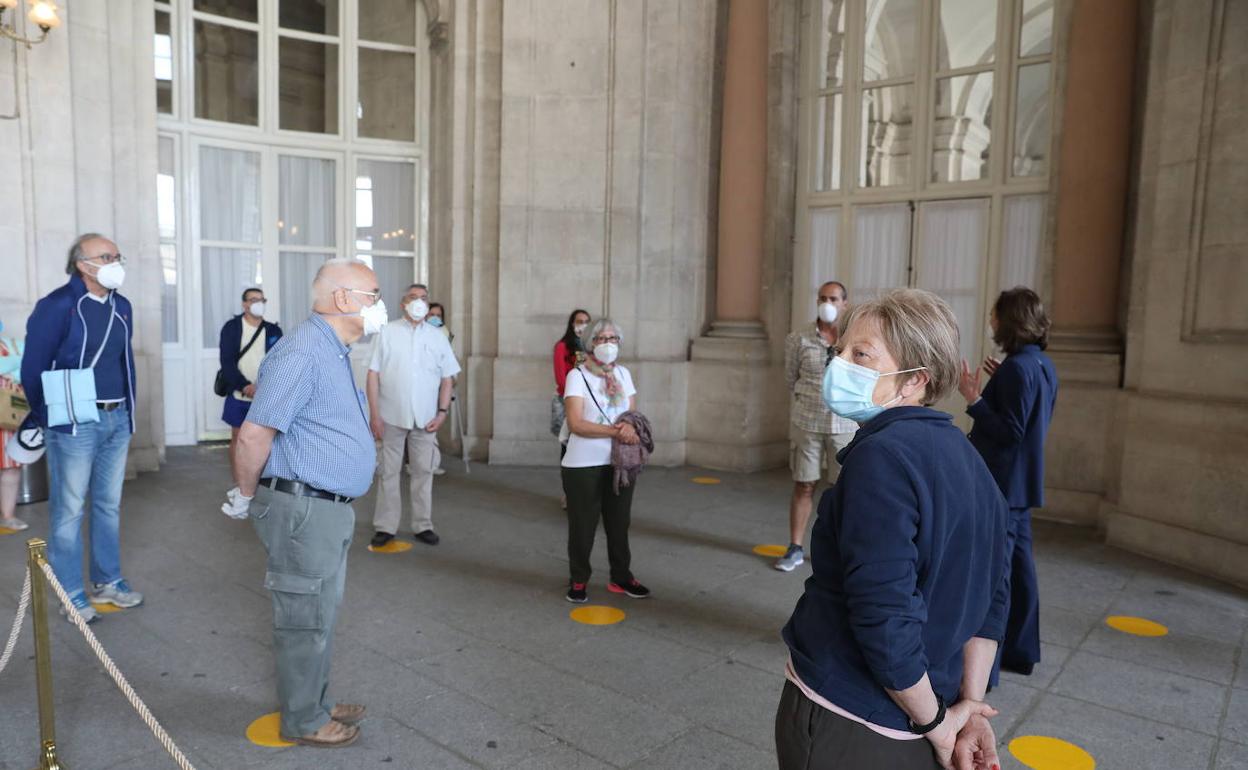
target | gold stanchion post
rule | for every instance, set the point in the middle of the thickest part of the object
(37, 555)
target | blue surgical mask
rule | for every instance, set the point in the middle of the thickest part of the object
(434, 321)
(848, 387)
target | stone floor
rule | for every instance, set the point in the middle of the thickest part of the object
(466, 656)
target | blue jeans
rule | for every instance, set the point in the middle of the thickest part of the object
(94, 461)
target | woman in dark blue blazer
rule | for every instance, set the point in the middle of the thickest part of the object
(1011, 421)
(892, 642)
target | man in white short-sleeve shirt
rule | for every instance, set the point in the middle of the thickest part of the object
(409, 395)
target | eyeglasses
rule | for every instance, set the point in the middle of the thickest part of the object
(107, 259)
(376, 294)
(607, 340)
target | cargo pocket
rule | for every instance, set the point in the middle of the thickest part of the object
(296, 600)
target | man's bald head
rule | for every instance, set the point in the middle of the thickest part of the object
(339, 274)
(88, 246)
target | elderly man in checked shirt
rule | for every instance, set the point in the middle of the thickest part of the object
(304, 453)
(815, 433)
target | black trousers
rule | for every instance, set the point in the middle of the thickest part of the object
(1021, 648)
(809, 737)
(590, 497)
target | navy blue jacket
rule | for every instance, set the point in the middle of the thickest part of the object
(1011, 421)
(55, 333)
(909, 563)
(231, 344)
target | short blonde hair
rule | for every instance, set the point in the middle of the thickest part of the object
(919, 330)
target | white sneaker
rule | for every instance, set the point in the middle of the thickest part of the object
(439, 471)
(118, 593)
(792, 559)
(84, 608)
(15, 524)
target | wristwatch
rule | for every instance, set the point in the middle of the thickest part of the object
(932, 725)
(442, 411)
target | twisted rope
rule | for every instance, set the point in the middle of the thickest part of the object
(22, 604)
(114, 672)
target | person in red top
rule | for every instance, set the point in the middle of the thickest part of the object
(568, 355)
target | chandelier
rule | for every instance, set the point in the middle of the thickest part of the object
(42, 14)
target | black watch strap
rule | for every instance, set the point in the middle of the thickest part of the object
(927, 728)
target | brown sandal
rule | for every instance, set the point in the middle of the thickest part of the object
(332, 735)
(347, 713)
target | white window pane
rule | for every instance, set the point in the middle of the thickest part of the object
(227, 80)
(229, 195)
(952, 247)
(394, 275)
(320, 16)
(168, 293)
(387, 105)
(166, 188)
(224, 274)
(308, 86)
(892, 39)
(1021, 240)
(961, 128)
(162, 52)
(390, 187)
(243, 10)
(388, 21)
(1035, 35)
(881, 249)
(825, 226)
(967, 33)
(828, 143)
(297, 271)
(306, 204)
(887, 136)
(831, 43)
(1031, 121)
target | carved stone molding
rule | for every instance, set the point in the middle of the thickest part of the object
(437, 28)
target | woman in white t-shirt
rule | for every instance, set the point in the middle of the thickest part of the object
(595, 394)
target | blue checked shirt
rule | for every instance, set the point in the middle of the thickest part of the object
(306, 392)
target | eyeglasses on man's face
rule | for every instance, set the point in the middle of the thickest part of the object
(106, 259)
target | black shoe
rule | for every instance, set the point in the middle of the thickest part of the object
(577, 593)
(1021, 668)
(428, 537)
(632, 589)
(380, 539)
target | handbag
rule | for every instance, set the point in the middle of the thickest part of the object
(557, 415)
(219, 385)
(69, 394)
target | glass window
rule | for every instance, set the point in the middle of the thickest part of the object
(168, 292)
(229, 195)
(387, 106)
(1022, 236)
(224, 273)
(296, 271)
(967, 33)
(961, 128)
(388, 21)
(394, 275)
(831, 44)
(892, 39)
(166, 188)
(319, 16)
(306, 201)
(162, 51)
(887, 128)
(825, 225)
(385, 206)
(828, 143)
(243, 10)
(308, 86)
(226, 74)
(1035, 34)
(881, 249)
(952, 245)
(1031, 121)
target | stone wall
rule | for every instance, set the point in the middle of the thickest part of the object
(77, 138)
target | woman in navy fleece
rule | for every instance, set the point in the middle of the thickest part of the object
(891, 645)
(1011, 421)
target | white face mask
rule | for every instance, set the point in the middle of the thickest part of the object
(607, 352)
(374, 317)
(417, 309)
(579, 329)
(257, 309)
(110, 276)
(827, 312)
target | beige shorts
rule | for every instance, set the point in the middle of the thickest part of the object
(812, 456)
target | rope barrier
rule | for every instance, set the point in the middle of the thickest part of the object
(113, 671)
(22, 604)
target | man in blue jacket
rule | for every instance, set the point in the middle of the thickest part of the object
(245, 339)
(86, 324)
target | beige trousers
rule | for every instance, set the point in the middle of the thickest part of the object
(422, 457)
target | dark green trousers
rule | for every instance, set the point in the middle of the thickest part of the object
(590, 497)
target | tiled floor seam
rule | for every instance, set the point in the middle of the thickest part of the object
(1226, 700)
(435, 742)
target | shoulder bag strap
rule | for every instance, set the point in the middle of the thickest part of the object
(252, 341)
(112, 316)
(590, 388)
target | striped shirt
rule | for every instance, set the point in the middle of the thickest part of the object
(806, 355)
(306, 392)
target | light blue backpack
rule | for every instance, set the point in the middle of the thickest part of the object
(70, 393)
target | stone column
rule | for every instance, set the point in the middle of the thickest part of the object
(742, 174)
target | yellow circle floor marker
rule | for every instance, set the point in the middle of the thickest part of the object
(7, 531)
(705, 480)
(1043, 753)
(105, 607)
(771, 550)
(394, 546)
(267, 731)
(597, 615)
(1136, 626)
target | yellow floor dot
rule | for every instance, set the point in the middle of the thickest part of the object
(267, 731)
(7, 531)
(704, 480)
(1043, 753)
(394, 546)
(1136, 626)
(597, 615)
(105, 607)
(770, 550)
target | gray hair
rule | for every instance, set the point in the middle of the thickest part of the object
(919, 329)
(75, 251)
(322, 285)
(596, 328)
